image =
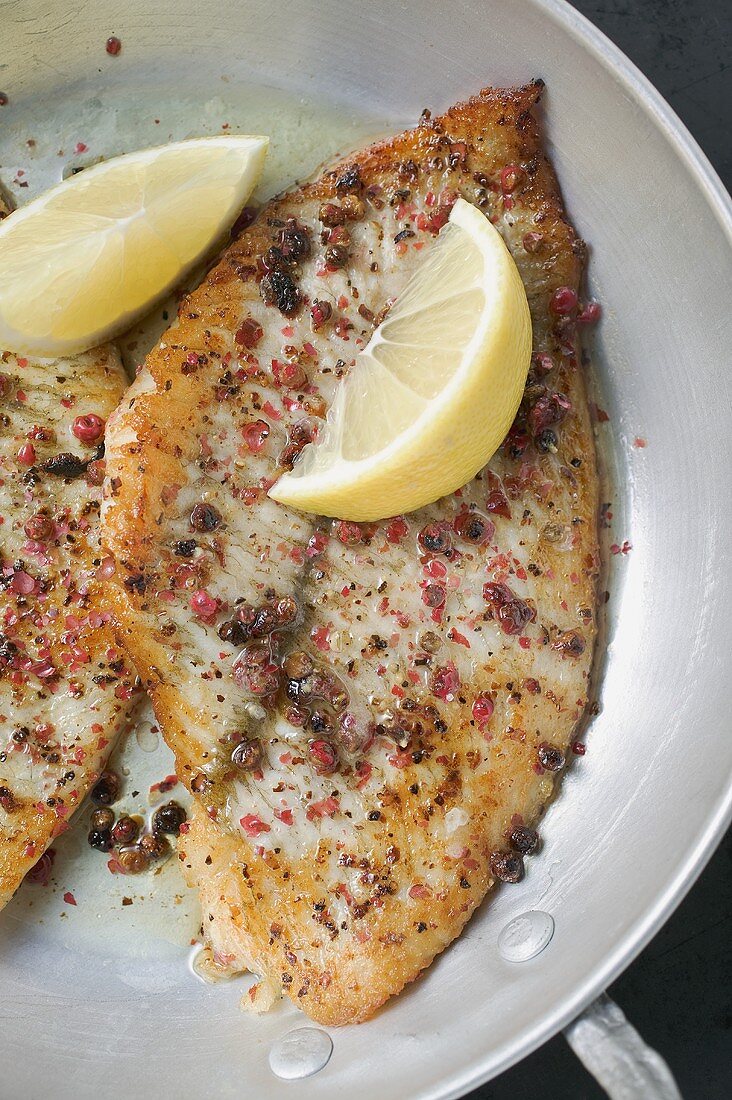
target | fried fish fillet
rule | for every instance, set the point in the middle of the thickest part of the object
(65, 686)
(371, 717)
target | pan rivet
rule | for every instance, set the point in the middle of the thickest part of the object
(525, 936)
(300, 1053)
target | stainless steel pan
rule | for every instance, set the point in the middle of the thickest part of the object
(640, 813)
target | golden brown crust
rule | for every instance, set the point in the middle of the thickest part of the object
(343, 911)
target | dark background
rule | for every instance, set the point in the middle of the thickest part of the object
(677, 993)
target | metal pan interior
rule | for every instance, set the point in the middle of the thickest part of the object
(639, 814)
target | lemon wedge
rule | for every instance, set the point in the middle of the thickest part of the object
(82, 261)
(433, 394)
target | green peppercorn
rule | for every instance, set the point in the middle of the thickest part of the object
(133, 860)
(101, 839)
(102, 819)
(154, 846)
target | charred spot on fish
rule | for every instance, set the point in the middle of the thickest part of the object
(294, 241)
(136, 583)
(278, 288)
(8, 649)
(64, 465)
(570, 643)
(184, 548)
(274, 259)
(349, 180)
(408, 170)
(8, 801)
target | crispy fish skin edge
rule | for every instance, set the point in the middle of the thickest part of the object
(363, 983)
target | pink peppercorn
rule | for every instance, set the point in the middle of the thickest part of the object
(249, 334)
(253, 825)
(39, 527)
(113, 46)
(255, 435)
(320, 312)
(346, 532)
(433, 595)
(396, 530)
(89, 428)
(543, 363)
(22, 583)
(511, 177)
(590, 313)
(27, 454)
(445, 682)
(203, 605)
(532, 242)
(483, 708)
(563, 301)
(324, 756)
(95, 472)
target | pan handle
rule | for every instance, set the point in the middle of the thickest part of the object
(616, 1056)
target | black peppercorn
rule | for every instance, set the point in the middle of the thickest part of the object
(320, 721)
(507, 866)
(184, 548)
(247, 755)
(523, 840)
(101, 839)
(169, 818)
(153, 846)
(106, 789)
(234, 632)
(550, 757)
(336, 255)
(205, 517)
(546, 441)
(349, 180)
